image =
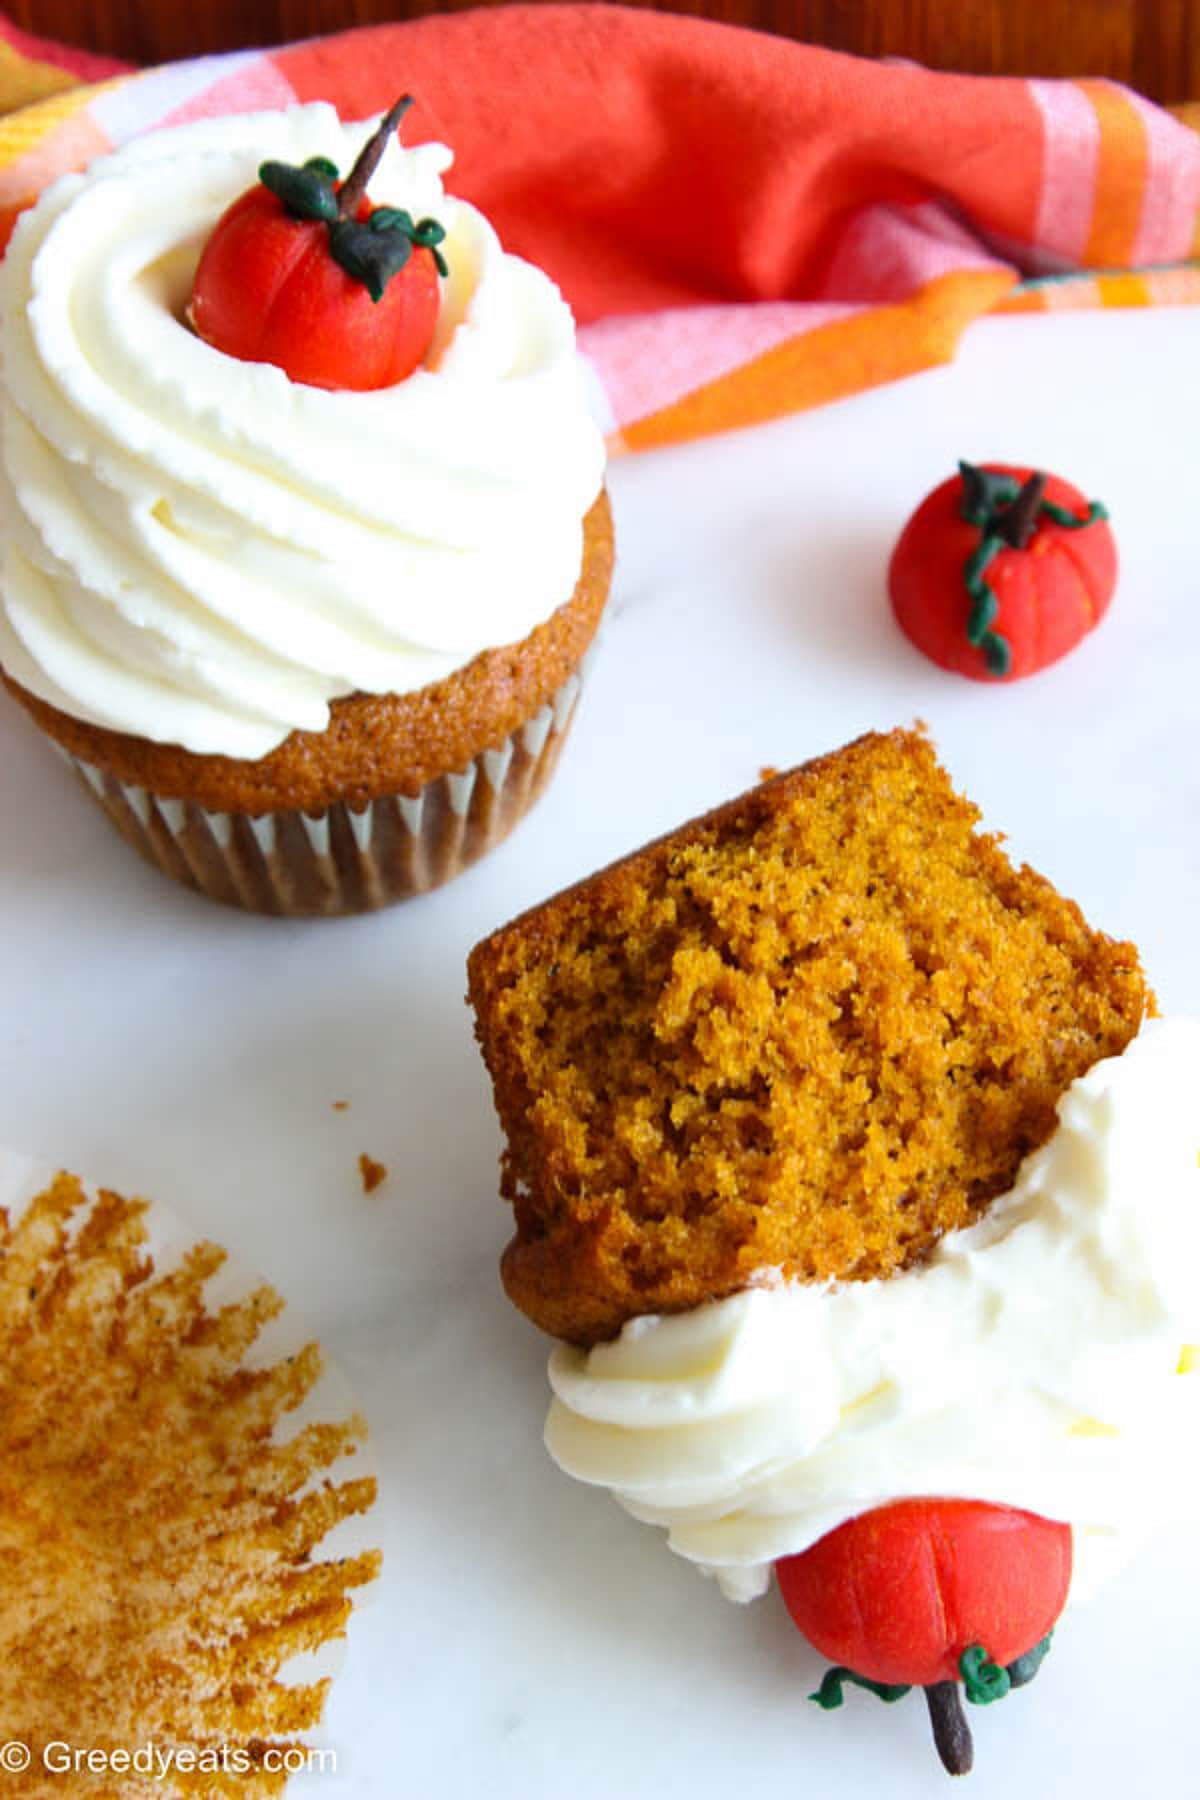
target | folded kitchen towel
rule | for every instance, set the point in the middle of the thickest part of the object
(744, 225)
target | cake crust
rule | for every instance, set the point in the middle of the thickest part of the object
(375, 744)
(810, 1031)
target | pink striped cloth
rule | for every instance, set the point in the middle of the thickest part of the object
(744, 225)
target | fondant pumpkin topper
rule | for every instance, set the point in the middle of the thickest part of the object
(938, 1594)
(303, 272)
(1001, 571)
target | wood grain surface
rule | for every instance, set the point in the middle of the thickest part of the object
(1152, 44)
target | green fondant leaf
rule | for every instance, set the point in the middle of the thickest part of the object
(306, 193)
(392, 218)
(1024, 1668)
(984, 606)
(427, 235)
(983, 1680)
(1062, 515)
(997, 653)
(829, 1695)
(371, 257)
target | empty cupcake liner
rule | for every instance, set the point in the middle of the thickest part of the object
(299, 864)
(168, 1241)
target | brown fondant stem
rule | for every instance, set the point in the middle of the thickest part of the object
(355, 185)
(1016, 526)
(951, 1733)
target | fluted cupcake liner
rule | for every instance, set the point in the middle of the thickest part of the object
(195, 1496)
(298, 864)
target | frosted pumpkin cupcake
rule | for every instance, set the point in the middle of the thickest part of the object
(863, 1191)
(313, 646)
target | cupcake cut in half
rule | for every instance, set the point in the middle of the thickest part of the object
(810, 1032)
(865, 1197)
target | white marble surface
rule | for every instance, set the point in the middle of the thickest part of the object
(527, 1639)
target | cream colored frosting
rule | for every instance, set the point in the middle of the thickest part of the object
(1034, 1360)
(199, 550)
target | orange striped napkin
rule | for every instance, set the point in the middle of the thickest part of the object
(744, 225)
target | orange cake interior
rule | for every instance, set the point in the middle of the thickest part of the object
(811, 1031)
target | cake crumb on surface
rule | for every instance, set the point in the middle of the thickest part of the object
(341, 1106)
(373, 1173)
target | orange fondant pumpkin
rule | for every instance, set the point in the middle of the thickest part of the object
(1001, 571)
(303, 272)
(898, 1594)
(946, 1595)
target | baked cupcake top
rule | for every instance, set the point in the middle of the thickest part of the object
(199, 550)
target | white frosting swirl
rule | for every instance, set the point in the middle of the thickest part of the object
(199, 550)
(1034, 1360)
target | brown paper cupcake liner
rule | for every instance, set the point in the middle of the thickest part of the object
(297, 864)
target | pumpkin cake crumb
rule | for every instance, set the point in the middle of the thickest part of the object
(373, 1173)
(811, 1031)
